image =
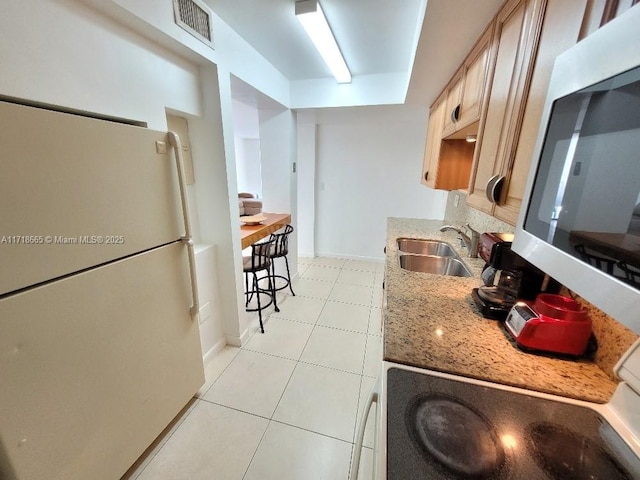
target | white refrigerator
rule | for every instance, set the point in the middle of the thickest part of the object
(99, 340)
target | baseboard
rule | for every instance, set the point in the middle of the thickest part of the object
(217, 347)
(252, 327)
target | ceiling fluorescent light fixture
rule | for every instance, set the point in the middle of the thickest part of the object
(311, 16)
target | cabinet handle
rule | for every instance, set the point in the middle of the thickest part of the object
(455, 114)
(494, 188)
(426, 176)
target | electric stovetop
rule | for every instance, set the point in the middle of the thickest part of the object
(439, 428)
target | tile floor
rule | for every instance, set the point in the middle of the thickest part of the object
(285, 406)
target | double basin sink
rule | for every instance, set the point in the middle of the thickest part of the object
(430, 256)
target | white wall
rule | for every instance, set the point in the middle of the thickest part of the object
(276, 133)
(249, 167)
(247, 144)
(277, 153)
(368, 166)
(72, 56)
(384, 88)
(306, 173)
(238, 57)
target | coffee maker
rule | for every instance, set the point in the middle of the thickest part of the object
(507, 277)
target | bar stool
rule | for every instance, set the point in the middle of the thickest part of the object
(260, 260)
(280, 250)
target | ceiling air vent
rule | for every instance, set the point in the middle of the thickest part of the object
(195, 17)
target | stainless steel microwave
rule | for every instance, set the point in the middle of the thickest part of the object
(580, 220)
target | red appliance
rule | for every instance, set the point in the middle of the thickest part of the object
(552, 324)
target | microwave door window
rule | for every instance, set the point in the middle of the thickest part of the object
(586, 196)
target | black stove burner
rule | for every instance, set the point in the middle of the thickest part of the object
(567, 455)
(447, 429)
(456, 435)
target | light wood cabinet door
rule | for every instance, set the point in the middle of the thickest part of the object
(447, 163)
(561, 30)
(434, 139)
(452, 103)
(476, 69)
(517, 29)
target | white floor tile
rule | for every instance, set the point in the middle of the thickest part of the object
(373, 356)
(329, 262)
(345, 316)
(375, 321)
(216, 366)
(378, 292)
(137, 468)
(212, 442)
(363, 265)
(356, 277)
(335, 349)
(290, 453)
(283, 338)
(253, 383)
(355, 294)
(305, 287)
(305, 261)
(321, 400)
(300, 309)
(327, 274)
(302, 267)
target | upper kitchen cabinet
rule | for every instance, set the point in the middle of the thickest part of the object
(466, 90)
(529, 35)
(452, 103)
(434, 137)
(454, 115)
(447, 162)
(476, 73)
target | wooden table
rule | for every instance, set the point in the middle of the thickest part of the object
(250, 234)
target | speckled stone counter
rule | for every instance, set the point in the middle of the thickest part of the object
(431, 322)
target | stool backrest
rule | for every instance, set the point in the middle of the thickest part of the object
(261, 254)
(281, 246)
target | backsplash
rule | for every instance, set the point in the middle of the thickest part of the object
(459, 215)
(613, 338)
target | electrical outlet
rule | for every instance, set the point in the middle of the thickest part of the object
(456, 200)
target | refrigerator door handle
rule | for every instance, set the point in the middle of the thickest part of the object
(187, 239)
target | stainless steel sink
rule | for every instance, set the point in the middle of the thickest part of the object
(425, 247)
(434, 264)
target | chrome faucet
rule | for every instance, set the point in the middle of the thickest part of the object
(470, 243)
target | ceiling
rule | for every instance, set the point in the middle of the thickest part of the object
(375, 36)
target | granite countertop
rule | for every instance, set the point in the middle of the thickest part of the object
(430, 321)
